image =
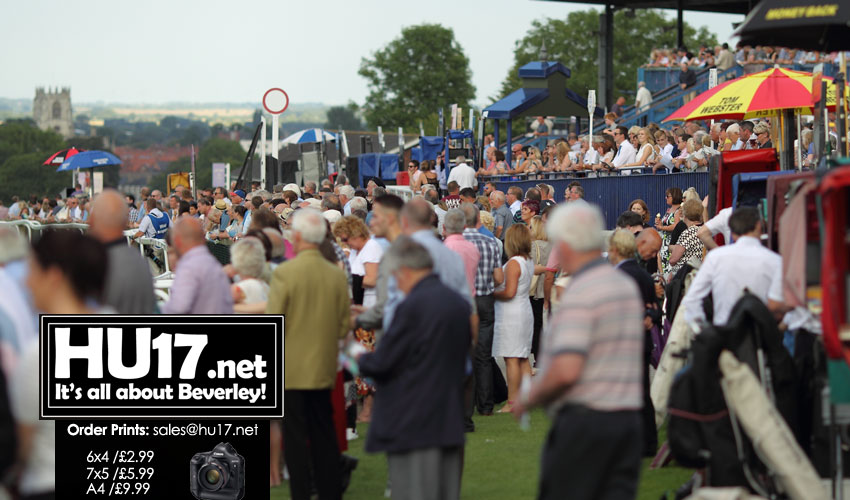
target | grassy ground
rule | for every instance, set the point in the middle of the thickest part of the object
(502, 462)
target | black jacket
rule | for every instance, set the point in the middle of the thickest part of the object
(645, 285)
(419, 369)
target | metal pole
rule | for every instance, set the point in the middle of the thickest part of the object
(680, 22)
(508, 154)
(840, 113)
(275, 147)
(799, 143)
(496, 138)
(192, 181)
(263, 146)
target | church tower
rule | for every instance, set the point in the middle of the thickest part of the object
(51, 110)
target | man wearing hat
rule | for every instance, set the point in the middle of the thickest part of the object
(294, 188)
(237, 197)
(225, 219)
(463, 174)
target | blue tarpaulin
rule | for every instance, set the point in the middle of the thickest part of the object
(431, 146)
(380, 165)
(416, 154)
(749, 188)
(457, 135)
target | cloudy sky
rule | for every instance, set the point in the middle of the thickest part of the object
(160, 51)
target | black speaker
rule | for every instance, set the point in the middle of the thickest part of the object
(272, 173)
(352, 171)
(287, 172)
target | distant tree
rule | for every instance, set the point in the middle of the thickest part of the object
(22, 136)
(23, 174)
(345, 117)
(573, 41)
(414, 75)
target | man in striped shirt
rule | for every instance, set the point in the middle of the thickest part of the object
(488, 276)
(591, 372)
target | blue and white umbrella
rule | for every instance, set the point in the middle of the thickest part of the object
(89, 159)
(309, 136)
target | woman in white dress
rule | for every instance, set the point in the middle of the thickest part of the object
(514, 325)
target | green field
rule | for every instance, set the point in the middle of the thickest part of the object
(502, 462)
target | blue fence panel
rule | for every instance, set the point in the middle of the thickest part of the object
(614, 193)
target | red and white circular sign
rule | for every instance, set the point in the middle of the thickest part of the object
(275, 101)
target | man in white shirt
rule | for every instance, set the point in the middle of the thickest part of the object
(625, 151)
(514, 199)
(643, 98)
(719, 224)
(346, 194)
(71, 212)
(730, 270)
(463, 174)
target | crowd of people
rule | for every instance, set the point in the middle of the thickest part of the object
(618, 149)
(723, 57)
(435, 297)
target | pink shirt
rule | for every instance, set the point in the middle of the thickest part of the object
(469, 253)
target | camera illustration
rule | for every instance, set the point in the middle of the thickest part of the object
(218, 474)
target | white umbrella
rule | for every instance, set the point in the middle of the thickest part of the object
(309, 136)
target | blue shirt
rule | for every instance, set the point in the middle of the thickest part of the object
(486, 232)
(447, 266)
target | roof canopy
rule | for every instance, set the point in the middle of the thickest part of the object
(544, 93)
(724, 6)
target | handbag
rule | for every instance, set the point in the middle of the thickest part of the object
(534, 277)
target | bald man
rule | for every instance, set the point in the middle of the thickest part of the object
(129, 284)
(200, 284)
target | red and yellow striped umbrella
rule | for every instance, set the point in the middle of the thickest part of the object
(755, 95)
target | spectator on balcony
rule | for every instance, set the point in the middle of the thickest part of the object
(747, 141)
(534, 161)
(733, 138)
(540, 128)
(625, 151)
(783, 56)
(741, 53)
(617, 108)
(724, 58)
(663, 152)
(610, 122)
(646, 151)
(682, 146)
(644, 97)
(605, 150)
(562, 157)
(762, 133)
(687, 79)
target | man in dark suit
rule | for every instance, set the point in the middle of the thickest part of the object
(621, 248)
(418, 369)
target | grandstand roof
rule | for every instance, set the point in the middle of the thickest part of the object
(721, 6)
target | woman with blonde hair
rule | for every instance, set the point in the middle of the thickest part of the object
(540, 249)
(364, 255)
(514, 319)
(534, 163)
(688, 245)
(646, 153)
(562, 157)
(211, 223)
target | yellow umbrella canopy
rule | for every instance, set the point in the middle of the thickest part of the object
(755, 95)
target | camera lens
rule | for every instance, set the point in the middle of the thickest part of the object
(213, 476)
